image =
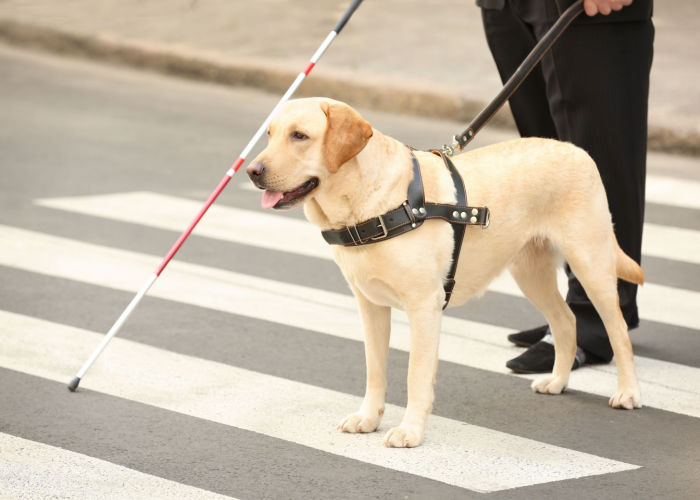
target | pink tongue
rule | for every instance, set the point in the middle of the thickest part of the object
(270, 198)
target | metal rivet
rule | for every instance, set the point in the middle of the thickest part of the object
(455, 214)
(413, 225)
(474, 211)
(463, 215)
(415, 211)
(473, 220)
(422, 210)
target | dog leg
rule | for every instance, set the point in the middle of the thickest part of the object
(422, 366)
(376, 322)
(595, 269)
(534, 269)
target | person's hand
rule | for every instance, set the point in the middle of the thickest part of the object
(605, 7)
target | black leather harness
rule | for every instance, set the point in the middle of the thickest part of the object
(412, 213)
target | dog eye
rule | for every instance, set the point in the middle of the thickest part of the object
(299, 136)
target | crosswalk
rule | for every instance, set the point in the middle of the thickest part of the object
(668, 386)
(456, 453)
(229, 379)
(295, 412)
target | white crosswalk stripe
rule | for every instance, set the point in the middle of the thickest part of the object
(659, 189)
(656, 302)
(668, 386)
(682, 193)
(285, 234)
(35, 470)
(488, 460)
(660, 303)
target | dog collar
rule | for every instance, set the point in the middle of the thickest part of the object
(412, 213)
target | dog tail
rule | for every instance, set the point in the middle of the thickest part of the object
(628, 269)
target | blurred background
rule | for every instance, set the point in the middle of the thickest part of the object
(407, 56)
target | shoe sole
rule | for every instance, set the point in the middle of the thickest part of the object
(523, 371)
(520, 343)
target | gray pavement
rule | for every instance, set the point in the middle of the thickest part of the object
(407, 56)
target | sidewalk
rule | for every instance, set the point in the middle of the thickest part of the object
(409, 56)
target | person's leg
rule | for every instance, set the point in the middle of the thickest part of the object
(614, 132)
(510, 41)
(597, 78)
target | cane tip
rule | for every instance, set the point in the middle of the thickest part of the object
(74, 384)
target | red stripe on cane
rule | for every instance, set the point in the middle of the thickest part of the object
(237, 164)
(309, 68)
(183, 236)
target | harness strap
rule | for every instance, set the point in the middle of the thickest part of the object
(406, 217)
(459, 229)
(411, 214)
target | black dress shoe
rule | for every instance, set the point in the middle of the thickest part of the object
(539, 358)
(527, 338)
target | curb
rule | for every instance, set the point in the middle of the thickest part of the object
(274, 78)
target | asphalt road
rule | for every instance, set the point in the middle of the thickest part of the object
(231, 376)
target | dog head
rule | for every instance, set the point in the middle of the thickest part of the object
(309, 140)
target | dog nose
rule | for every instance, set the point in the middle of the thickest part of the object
(255, 169)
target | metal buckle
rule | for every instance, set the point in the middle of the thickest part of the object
(384, 229)
(358, 241)
(488, 218)
(453, 148)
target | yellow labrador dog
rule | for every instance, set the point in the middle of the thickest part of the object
(547, 204)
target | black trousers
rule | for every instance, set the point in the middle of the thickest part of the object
(592, 90)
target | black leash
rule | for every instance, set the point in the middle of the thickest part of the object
(534, 57)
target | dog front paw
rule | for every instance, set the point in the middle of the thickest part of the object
(629, 399)
(404, 437)
(359, 422)
(550, 384)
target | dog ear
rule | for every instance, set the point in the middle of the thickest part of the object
(346, 134)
